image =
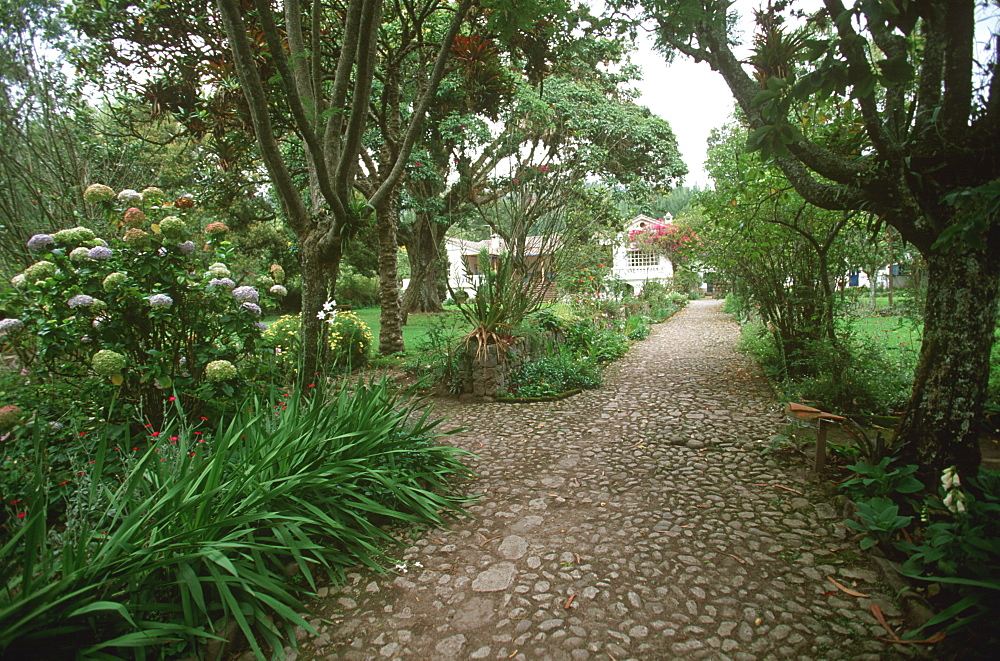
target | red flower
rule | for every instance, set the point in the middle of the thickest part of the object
(21, 515)
(171, 399)
(155, 433)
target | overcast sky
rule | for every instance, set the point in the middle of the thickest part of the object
(691, 97)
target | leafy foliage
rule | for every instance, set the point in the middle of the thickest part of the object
(879, 520)
(554, 375)
(194, 531)
(144, 309)
(878, 480)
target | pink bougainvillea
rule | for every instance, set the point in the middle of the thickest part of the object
(668, 239)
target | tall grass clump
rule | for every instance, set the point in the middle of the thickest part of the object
(170, 539)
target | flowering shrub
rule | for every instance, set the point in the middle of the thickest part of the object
(676, 242)
(142, 309)
(348, 339)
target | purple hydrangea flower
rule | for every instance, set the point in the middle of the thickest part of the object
(160, 301)
(221, 282)
(81, 301)
(186, 248)
(260, 325)
(253, 307)
(41, 242)
(278, 290)
(246, 293)
(99, 252)
(11, 326)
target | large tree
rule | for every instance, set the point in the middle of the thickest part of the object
(327, 86)
(925, 161)
(576, 121)
(300, 77)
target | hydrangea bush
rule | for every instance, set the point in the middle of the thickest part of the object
(144, 308)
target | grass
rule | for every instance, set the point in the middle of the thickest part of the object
(898, 336)
(418, 326)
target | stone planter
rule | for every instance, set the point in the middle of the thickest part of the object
(488, 375)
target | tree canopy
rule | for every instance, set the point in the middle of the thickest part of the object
(888, 107)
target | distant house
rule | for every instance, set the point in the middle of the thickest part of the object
(630, 262)
(465, 269)
(635, 265)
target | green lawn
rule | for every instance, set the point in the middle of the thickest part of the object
(420, 328)
(898, 335)
(901, 338)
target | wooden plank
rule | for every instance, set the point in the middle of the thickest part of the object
(820, 460)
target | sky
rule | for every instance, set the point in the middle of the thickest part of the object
(691, 97)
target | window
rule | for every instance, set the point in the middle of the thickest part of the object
(638, 258)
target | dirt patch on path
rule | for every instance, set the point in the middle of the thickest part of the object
(635, 521)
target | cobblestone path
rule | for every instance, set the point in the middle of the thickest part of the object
(636, 521)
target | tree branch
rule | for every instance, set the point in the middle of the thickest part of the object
(236, 32)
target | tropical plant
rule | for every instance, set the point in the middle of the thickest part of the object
(506, 292)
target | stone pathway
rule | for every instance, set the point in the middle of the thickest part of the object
(636, 521)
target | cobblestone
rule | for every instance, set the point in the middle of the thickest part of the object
(636, 521)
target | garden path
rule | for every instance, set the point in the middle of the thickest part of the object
(634, 521)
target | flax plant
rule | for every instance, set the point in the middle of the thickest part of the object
(202, 533)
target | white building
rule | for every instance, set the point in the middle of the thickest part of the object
(630, 263)
(464, 269)
(636, 266)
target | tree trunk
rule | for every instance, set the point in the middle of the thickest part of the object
(320, 263)
(428, 266)
(390, 337)
(942, 423)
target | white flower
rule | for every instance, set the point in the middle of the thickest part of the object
(949, 478)
(129, 195)
(321, 315)
(329, 305)
(955, 501)
(402, 568)
(418, 564)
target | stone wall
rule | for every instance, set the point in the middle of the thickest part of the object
(487, 376)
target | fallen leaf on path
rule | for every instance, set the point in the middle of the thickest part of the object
(569, 601)
(853, 593)
(936, 638)
(739, 560)
(877, 612)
